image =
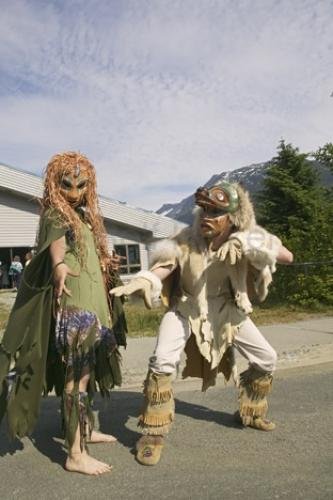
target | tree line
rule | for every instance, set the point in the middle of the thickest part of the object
(294, 205)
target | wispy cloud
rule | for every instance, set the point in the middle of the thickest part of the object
(162, 95)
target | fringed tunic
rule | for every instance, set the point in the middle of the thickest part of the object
(39, 347)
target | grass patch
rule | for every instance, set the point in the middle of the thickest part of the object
(144, 323)
(267, 315)
(4, 313)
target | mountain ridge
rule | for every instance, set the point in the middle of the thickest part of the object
(250, 177)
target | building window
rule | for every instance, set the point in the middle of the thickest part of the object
(131, 263)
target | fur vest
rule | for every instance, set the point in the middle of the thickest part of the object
(210, 288)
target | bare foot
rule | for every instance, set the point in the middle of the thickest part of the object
(84, 463)
(99, 437)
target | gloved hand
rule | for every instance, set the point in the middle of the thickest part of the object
(259, 246)
(145, 284)
(231, 251)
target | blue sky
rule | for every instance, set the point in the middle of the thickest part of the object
(162, 94)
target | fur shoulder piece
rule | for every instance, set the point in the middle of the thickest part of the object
(243, 218)
(165, 251)
(259, 246)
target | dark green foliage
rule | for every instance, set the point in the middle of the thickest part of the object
(296, 208)
(325, 155)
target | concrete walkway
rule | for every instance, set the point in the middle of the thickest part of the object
(301, 343)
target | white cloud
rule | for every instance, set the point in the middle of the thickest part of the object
(162, 95)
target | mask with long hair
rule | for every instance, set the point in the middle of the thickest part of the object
(70, 189)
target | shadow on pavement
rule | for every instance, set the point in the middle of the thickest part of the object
(113, 416)
(8, 446)
(199, 412)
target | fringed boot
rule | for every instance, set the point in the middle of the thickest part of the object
(156, 417)
(254, 386)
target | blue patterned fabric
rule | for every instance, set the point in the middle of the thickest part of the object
(78, 333)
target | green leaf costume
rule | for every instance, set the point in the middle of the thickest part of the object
(29, 351)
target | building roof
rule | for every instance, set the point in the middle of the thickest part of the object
(31, 186)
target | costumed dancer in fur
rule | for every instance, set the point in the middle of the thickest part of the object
(63, 332)
(204, 275)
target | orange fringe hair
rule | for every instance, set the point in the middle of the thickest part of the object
(57, 167)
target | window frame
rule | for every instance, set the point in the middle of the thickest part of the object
(128, 268)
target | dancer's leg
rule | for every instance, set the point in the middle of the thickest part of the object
(256, 381)
(76, 400)
(158, 409)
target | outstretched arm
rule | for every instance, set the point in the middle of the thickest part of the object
(263, 248)
(163, 272)
(60, 269)
(148, 284)
(284, 256)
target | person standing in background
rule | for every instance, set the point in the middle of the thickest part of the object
(4, 279)
(27, 258)
(15, 272)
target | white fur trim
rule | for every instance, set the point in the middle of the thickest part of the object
(156, 283)
(260, 247)
(262, 283)
(163, 251)
(243, 218)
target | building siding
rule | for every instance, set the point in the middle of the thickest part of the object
(31, 185)
(19, 216)
(18, 221)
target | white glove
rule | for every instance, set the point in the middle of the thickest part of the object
(259, 246)
(231, 251)
(145, 283)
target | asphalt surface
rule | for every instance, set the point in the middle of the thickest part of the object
(207, 455)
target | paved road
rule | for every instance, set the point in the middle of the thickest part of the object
(207, 456)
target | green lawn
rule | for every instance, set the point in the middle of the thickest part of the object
(3, 317)
(144, 323)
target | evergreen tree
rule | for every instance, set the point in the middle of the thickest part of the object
(294, 206)
(325, 155)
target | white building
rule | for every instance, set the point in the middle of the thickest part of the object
(130, 230)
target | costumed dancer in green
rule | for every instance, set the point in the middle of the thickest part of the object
(63, 332)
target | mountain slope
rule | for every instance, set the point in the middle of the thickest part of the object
(250, 177)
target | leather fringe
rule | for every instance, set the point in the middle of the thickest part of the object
(156, 420)
(159, 407)
(262, 387)
(157, 388)
(253, 410)
(256, 384)
(254, 387)
(156, 397)
(154, 431)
